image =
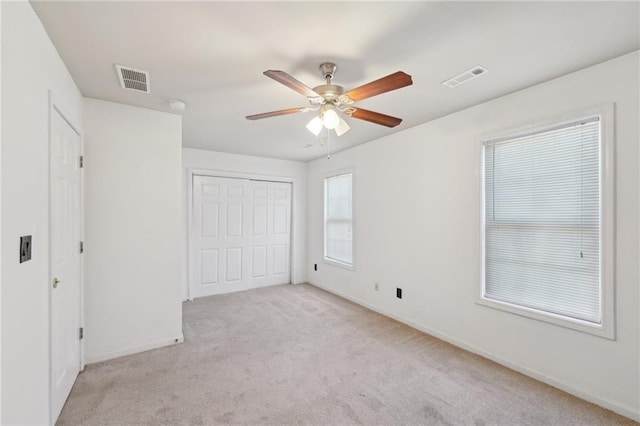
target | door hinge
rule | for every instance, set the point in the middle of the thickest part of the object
(81, 161)
(81, 333)
(81, 247)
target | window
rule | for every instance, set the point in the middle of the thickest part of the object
(542, 224)
(338, 219)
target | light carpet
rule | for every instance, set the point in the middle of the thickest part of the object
(298, 355)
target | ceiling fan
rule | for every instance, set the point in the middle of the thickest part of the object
(331, 99)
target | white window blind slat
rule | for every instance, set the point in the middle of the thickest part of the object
(542, 220)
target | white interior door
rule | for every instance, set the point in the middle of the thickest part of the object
(270, 233)
(219, 240)
(240, 235)
(65, 259)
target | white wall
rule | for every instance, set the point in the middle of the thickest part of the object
(243, 164)
(30, 68)
(417, 208)
(0, 211)
(132, 229)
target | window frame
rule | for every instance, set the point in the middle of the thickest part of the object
(325, 259)
(606, 328)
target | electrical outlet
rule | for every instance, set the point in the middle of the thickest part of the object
(399, 293)
(376, 286)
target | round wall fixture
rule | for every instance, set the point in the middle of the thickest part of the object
(177, 104)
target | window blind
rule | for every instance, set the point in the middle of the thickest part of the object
(338, 219)
(542, 220)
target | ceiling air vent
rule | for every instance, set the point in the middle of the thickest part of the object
(465, 76)
(133, 79)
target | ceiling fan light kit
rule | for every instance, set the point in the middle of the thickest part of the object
(315, 125)
(342, 127)
(331, 100)
(329, 117)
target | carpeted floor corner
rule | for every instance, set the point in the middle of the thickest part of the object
(297, 355)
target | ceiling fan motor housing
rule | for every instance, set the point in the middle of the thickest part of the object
(329, 92)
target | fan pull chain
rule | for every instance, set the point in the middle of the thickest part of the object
(328, 149)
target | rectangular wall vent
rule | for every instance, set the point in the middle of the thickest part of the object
(465, 76)
(133, 79)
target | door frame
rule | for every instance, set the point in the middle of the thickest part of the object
(56, 106)
(191, 172)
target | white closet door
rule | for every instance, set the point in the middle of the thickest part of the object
(220, 238)
(270, 233)
(240, 235)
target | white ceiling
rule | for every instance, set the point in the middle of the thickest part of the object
(212, 55)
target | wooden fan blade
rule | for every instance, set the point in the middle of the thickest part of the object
(292, 83)
(385, 84)
(374, 117)
(275, 113)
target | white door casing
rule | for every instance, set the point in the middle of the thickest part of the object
(65, 267)
(240, 235)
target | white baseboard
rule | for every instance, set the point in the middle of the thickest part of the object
(92, 359)
(244, 289)
(602, 402)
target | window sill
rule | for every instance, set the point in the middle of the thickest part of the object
(339, 264)
(599, 330)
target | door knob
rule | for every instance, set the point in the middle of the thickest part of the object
(56, 282)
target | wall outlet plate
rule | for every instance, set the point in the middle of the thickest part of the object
(25, 248)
